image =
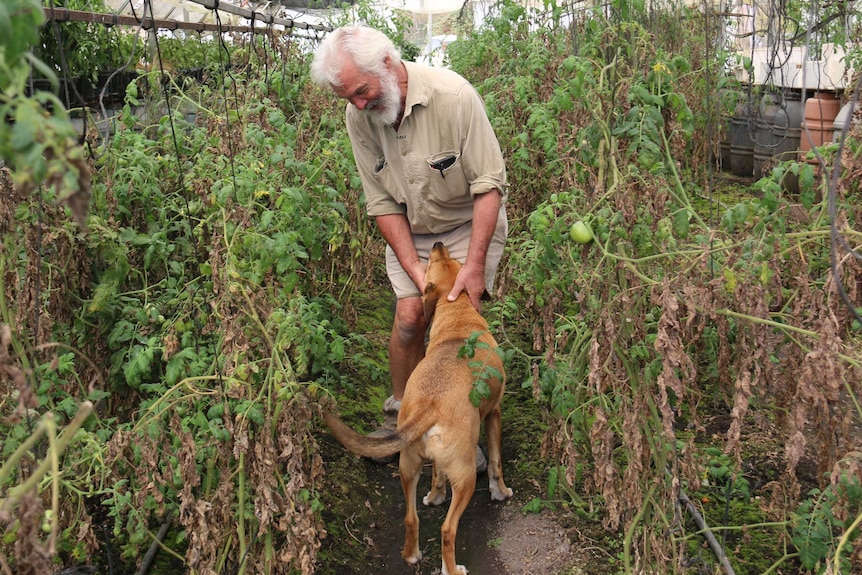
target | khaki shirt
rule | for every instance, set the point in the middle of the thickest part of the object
(443, 154)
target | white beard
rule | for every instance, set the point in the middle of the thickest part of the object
(385, 109)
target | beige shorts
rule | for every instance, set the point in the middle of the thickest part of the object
(457, 241)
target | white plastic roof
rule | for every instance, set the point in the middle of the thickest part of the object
(169, 10)
(426, 6)
(201, 11)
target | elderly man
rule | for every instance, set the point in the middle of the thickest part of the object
(431, 169)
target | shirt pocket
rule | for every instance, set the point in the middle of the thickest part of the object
(446, 178)
(385, 176)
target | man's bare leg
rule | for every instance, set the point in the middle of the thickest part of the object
(407, 342)
(406, 350)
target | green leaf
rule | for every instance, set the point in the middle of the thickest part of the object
(216, 411)
(479, 392)
(69, 406)
(552, 482)
(6, 29)
(139, 366)
(27, 125)
(122, 332)
(176, 366)
(103, 292)
(534, 506)
(681, 223)
(98, 395)
(812, 553)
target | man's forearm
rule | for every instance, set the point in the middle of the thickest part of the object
(396, 231)
(486, 209)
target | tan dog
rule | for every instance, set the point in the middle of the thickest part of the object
(437, 421)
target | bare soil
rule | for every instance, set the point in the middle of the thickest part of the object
(494, 538)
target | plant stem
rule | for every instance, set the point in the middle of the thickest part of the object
(9, 319)
(683, 196)
(54, 458)
(240, 527)
(267, 552)
(222, 558)
(4, 566)
(775, 324)
(707, 532)
(747, 526)
(34, 437)
(778, 563)
(630, 532)
(845, 539)
(69, 431)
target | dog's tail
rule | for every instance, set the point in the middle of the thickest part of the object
(378, 444)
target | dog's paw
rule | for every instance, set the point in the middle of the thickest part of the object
(459, 570)
(498, 494)
(412, 558)
(434, 498)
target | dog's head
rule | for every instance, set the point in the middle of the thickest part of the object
(439, 277)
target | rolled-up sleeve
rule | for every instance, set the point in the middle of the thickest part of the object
(481, 154)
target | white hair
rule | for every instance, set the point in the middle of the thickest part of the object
(366, 47)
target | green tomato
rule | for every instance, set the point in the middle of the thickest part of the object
(581, 232)
(665, 229)
(47, 524)
(541, 222)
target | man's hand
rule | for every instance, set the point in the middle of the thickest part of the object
(396, 232)
(471, 279)
(417, 274)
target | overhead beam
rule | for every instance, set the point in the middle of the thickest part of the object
(314, 4)
(65, 15)
(262, 16)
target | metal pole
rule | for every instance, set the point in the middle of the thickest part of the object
(430, 34)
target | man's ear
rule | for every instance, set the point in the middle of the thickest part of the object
(429, 301)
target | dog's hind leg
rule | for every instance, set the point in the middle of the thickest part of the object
(493, 431)
(462, 490)
(437, 495)
(410, 467)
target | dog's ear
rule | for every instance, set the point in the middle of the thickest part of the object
(429, 301)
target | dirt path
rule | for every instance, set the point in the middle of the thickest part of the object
(365, 510)
(493, 538)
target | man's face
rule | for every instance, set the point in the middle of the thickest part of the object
(379, 97)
